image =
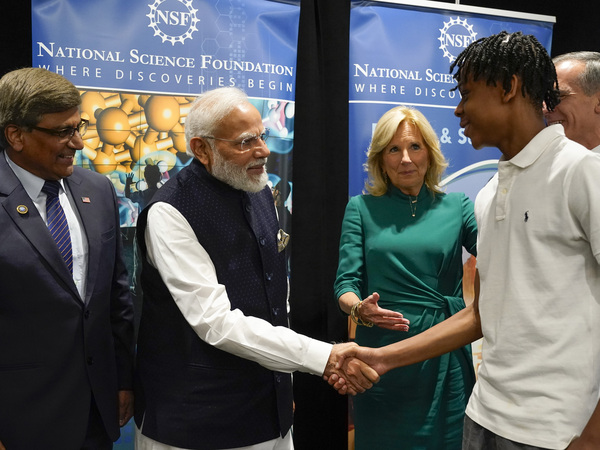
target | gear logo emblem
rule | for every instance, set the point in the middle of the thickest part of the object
(456, 35)
(173, 21)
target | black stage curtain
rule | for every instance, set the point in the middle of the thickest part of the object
(320, 194)
(15, 35)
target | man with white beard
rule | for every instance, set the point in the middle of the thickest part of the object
(214, 349)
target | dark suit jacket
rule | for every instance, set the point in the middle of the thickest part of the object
(56, 350)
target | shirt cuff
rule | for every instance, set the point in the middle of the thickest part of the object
(317, 357)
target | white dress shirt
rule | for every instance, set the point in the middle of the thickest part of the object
(189, 274)
(33, 186)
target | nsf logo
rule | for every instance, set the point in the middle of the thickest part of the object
(456, 35)
(173, 20)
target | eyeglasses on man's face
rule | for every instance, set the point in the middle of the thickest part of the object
(67, 133)
(248, 143)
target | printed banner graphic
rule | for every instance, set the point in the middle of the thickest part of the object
(170, 46)
(139, 65)
(401, 55)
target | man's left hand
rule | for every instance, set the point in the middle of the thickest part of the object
(125, 407)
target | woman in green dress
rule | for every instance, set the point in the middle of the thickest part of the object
(401, 251)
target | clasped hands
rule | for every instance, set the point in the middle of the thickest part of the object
(348, 374)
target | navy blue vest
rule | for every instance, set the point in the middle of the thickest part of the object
(190, 394)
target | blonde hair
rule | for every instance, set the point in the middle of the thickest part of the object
(377, 182)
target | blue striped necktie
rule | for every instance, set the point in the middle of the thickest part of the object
(57, 222)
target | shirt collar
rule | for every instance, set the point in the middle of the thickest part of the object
(31, 183)
(536, 147)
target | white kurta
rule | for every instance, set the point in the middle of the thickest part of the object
(190, 276)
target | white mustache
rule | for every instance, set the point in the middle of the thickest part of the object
(256, 163)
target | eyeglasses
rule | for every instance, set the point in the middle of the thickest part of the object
(564, 94)
(67, 133)
(248, 143)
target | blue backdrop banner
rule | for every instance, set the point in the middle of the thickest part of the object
(139, 66)
(401, 54)
(170, 46)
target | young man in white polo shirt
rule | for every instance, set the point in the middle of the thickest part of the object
(538, 308)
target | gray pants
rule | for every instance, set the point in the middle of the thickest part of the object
(475, 437)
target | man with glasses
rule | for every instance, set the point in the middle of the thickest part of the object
(66, 315)
(579, 108)
(214, 349)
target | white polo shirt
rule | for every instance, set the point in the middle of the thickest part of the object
(539, 263)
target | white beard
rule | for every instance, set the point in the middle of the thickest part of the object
(236, 176)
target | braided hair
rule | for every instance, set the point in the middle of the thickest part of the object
(498, 57)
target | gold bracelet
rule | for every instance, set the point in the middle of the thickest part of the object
(355, 315)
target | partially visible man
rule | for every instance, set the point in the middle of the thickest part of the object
(579, 108)
(66, 315)
(214, 347)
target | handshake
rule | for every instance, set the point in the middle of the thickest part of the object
(352, 369)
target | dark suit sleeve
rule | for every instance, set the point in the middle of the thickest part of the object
(121, 311)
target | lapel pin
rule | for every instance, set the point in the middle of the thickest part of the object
(282, 240)
(85, 199)
(22, 209)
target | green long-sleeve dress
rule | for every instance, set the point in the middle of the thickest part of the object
(415, 264)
